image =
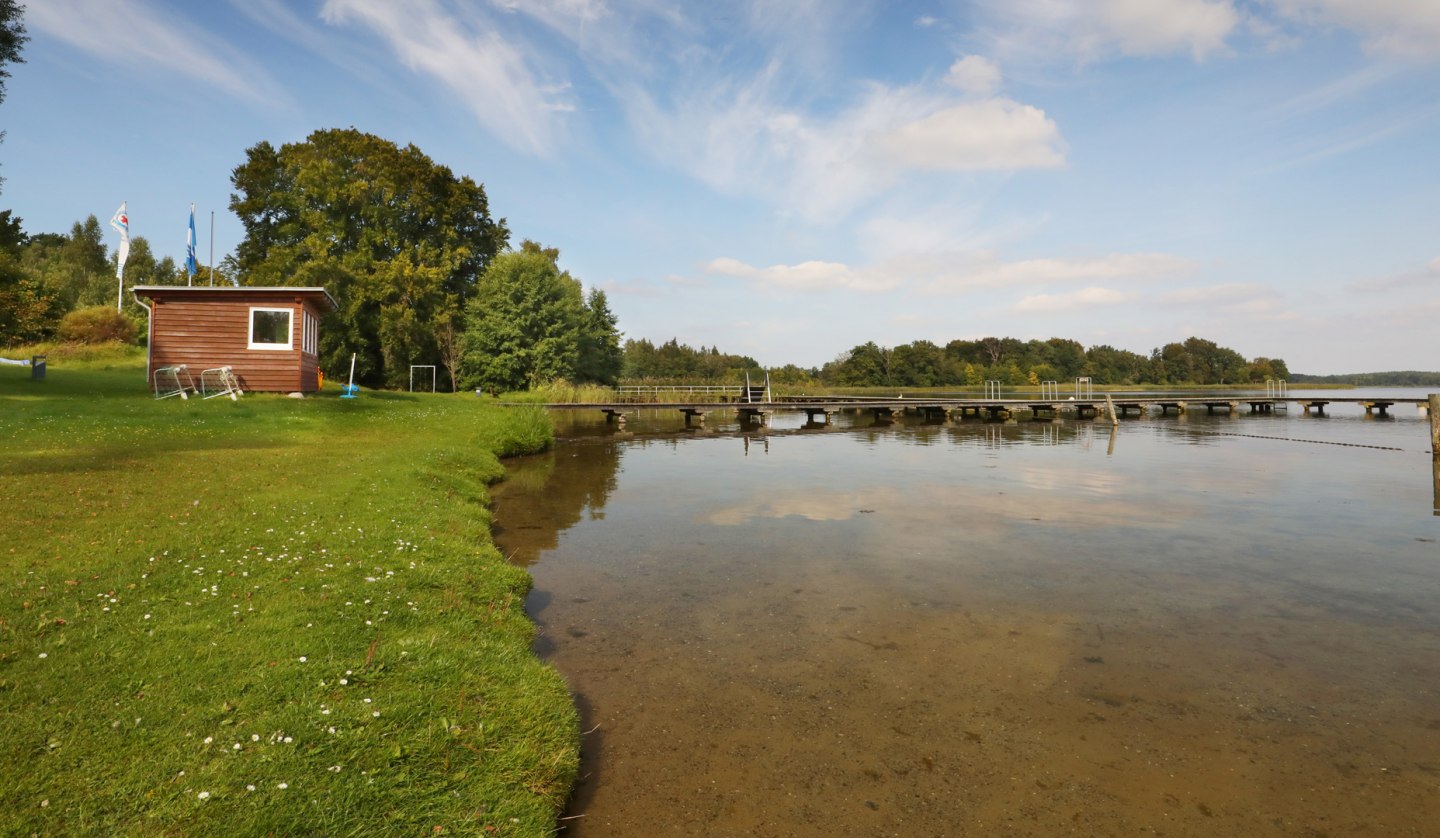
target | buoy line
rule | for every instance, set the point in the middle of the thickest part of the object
(1310, 441)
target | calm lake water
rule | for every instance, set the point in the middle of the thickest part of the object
(1192, 626)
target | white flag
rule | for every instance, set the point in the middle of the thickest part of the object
(121, 223)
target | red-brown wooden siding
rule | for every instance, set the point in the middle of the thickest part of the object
(204, 332)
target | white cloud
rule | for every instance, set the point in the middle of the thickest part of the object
(132, 34)
(1117, 266)
(805, 276)
(1225, 294)
(487, 73)
(740, 138)
(996, 134)
(1083, 298)
(974, 74)
(1161, 27)
(1426, 277)
(1233, 302)
(1406, 28)
(1094, 29)
(953, 272)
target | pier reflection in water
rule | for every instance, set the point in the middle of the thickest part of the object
(1197, 625)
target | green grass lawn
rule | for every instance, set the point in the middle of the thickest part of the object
(275, 616)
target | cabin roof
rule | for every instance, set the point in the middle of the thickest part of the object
(319, 295)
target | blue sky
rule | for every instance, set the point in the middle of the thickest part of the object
(790, 179)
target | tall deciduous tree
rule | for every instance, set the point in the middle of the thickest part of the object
(525, 322)
(600, 358)
(12, 39)
(397, 239)
(27, 313)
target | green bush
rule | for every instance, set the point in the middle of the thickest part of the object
(96, 324)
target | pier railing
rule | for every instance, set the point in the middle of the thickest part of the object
(651, 393)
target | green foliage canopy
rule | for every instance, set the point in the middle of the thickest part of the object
(397, 239)
(677, 363)
(601, 358)
(524, 323)
(1014, 363)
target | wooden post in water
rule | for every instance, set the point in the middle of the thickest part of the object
(1435, 425)
(1435, 446)
(1114, 417)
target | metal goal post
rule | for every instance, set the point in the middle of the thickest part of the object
(414, 367)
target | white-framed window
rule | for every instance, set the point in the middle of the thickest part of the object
(311, 341)
(271, 328)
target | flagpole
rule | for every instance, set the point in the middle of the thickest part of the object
(212, 247)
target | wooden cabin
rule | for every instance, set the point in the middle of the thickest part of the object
(269, 337)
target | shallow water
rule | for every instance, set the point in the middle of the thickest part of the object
(1195, 626)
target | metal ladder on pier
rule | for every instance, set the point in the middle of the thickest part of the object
(755, 393)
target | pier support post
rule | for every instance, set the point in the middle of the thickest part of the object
(1435, 429)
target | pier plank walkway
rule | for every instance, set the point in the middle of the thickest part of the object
(820, 408)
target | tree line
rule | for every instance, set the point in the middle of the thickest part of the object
(1395, 378)
(963, 363)
(1014, 362)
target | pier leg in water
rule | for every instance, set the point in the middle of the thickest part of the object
(1435, 471)
(1435, 425)
(1434, 410)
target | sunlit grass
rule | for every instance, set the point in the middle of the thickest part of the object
(269, 616)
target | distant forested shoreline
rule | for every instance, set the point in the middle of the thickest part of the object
(1398, 378)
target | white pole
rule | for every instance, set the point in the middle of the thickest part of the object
(212, 247)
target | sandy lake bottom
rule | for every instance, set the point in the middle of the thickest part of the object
(1196, 626)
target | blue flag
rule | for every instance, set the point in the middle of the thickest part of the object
(190, 245)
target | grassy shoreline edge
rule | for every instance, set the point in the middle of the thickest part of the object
(270, 616)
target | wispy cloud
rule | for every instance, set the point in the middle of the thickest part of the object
(743, 138)
(1048, 271)
(133, 34)
(1401, 28)
(805, 276)
(954, 273)
(1230, 293)
(1233, 301)
(1093, 30)
(1427, 277)
(487, 72)
(1072, 301)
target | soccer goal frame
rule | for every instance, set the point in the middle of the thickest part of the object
(430, 367)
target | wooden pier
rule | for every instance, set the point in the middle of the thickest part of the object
(749, 407)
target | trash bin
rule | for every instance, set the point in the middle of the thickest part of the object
(37, 367)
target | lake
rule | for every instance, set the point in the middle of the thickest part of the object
(1192, 625)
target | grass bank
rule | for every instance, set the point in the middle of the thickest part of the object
(266, 617)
